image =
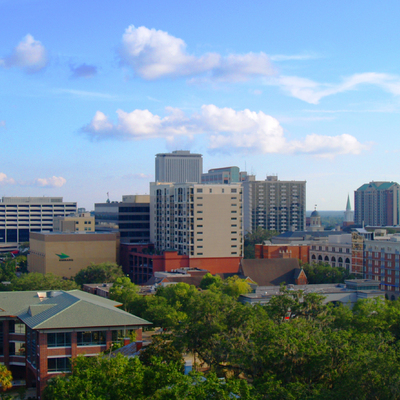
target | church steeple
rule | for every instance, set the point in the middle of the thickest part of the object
(348, 206)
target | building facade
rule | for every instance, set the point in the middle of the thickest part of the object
(274, 204)
(65, 254)
(269, 250)
(180, 166)
(41, 331)
(130, 217)
(21, 215)
(377, 204)
(224, 175)
(382, 263)
(79, 222)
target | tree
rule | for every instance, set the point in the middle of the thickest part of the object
(324, 273)
(258, 236)
(5, 378)
(124, 291)
(99, 273)
(161, 348)
(38, 281)
(210, 280)
(234, 286)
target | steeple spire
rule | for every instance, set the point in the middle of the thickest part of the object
(348, 206)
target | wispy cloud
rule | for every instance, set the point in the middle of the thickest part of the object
(293, 57)
(29, 55)
(155, 54)
(83, 71)
(52, 182)
(312, 92)
(86, 94)
(5, 180)
(226, 129)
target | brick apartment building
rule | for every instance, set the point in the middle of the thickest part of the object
(41, 331)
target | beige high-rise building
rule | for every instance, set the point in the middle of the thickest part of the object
(201, 221)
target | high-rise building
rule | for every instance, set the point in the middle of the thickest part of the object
(130, 217)
(224, 175)
(377, 204)
(274, 205)
(180, 166)
(201, 221)
(21, 215)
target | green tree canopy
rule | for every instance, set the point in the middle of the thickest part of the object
(99, 273)
(258, 236)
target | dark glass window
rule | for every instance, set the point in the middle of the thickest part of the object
(12, 235)
(89, 338)
(59, 339)
(58, 364)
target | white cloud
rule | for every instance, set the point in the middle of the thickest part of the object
(155, 54)
(29, 55)
(5, 180)
(312, 92)
(226, 130)
(53, 182)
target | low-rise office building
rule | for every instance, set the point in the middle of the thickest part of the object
(21, 215)
(79, 222)
(65, 254)
(41, 331)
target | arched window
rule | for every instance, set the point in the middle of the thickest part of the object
(319, 258)
(347, 263)
(313, 257)
(340, 262)
(326, 259)
(333, 261)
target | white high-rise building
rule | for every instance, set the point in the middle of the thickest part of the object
(21, 215)
(180, 166)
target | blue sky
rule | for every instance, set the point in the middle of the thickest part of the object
(90, 91)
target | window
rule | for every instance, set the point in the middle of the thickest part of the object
(199, 198)
(58, 364)
(233, 218)
(199, 190)
(199, 240)
(199, 205)
(17, 349)
(16, 327)
(233, 245)
(233, 233)
(200, 219)
(59, 339)
(199, 226)
(233, 198)
(199, 233)
(89, 338)
(389, 279)
(233, 190)
(199, 254)
(199, 247)
(234, 212)
(199, 212)
(233, 252)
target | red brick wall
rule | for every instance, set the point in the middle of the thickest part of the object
(283, 251)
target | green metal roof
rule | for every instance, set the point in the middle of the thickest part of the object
(66, 310)
(377, 185)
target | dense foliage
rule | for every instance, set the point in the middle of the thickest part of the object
(318, 273)
(106, 272)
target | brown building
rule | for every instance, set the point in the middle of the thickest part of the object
(299, 251)
(273, 272)
(65, 254)
(141, 261)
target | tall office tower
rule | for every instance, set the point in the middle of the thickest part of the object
(274, 205)
(130, 217)
(201, 221)
(21, 215)
(180, 166)
(377, 204)
(224, 175)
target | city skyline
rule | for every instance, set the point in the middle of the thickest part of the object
(92, 92)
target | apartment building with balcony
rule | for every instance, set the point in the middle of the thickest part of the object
(202, 222)
(274, 205)
(21, 215)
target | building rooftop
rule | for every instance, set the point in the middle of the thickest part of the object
(74, 309)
